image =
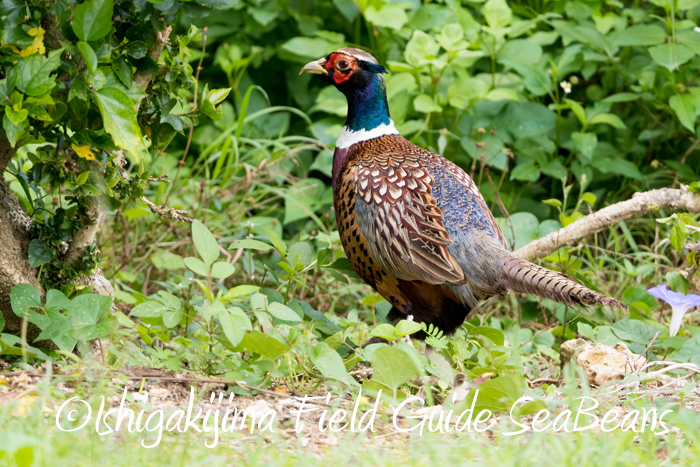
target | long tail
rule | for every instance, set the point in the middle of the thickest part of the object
(522, 276)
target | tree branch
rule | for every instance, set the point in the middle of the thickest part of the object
(639, 205)
(143, 79)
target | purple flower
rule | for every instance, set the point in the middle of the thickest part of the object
(679, 303)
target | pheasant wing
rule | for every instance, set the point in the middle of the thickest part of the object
(400, 220)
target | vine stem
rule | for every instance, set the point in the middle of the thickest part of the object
(181, 162)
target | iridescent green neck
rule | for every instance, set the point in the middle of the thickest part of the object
(367, 106)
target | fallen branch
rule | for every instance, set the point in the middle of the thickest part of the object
(640, 204)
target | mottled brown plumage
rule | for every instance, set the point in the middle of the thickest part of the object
(413, 224)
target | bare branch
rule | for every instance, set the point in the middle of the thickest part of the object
(639, 205)
(166, 212)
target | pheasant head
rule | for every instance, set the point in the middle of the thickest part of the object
(358, 76)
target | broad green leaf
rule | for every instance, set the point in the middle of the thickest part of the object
(389, 15)
(585, 144)
(300, 253)
(685, 106)
(233, 333)
(263, 344)
(22, 297)
(240, 291)
(634, 331)
(39, 253)
(426, 104)
(393, 367)
(222, 270)
(311, 47)
(496, 395)
(283, 312)
(92, 19)
(670, 56)
(677, 282)
(89, 56)
(119, 118)
(494, 335)
(250, 244)
(642, 34)
(497, 13)
(149, 309)
(12, 131)
(206, 244)
(385, 331)
(196, 265)
(16, 116)
(405, 327)
(690, 351)
(329, 363)
(585, 330)
(679, 232)
(610, 119)
(33, 73)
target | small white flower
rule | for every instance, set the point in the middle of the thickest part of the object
(250, 235)
(566, 86)
(696, 29)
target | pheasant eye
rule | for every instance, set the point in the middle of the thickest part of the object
(343, 65)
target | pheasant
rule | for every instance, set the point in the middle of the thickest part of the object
(414, 225)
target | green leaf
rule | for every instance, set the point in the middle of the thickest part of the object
(250, 244)
(263, 344)
(385, 331)
(585, 144)
(585, 330)
(685, 106)
(233, 332)
(329, 363)
(497, 394)
(426, 104)
(33, 73)
(669, 56)
(393, 367)
(240, 291)
(494, 335)
(89, 56)
(300, 254)
(677, 282)
(389, 15)
(634, 331)
(92, 20)
(216, 96)
(196, 265)
(122, 69)
(642, 34)
(283, 312)
(405, 327)
(552, 202)
(497, 13)
(311, 47)
(277, 241)
(39, 253)
(690, 350)
(23, 297)
(171, 318)
(610, 119)
(206, 244)
(119, 118)
(679, 232)
(149, 309)
(222, 270)
(16, 116)
(12, 131)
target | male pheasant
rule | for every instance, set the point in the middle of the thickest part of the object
(413, 224)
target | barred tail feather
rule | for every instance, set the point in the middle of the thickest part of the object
(522, 276)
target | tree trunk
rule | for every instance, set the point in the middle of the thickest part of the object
(14, 238)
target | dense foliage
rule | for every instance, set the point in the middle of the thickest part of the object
(555, 108)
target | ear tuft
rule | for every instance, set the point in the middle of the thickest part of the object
(374, 68)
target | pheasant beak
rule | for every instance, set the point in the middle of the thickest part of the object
(315, 68)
